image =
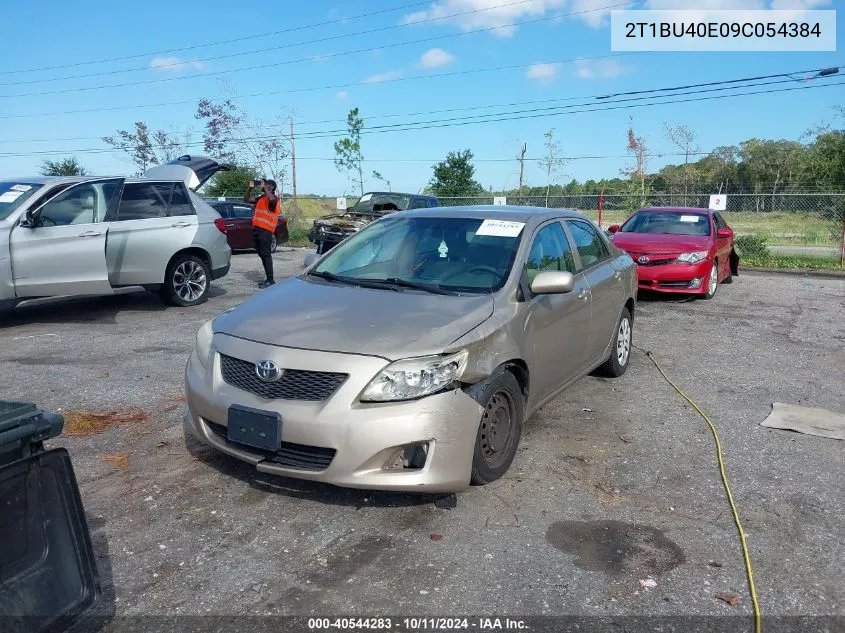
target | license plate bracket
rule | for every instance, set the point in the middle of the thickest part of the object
(255, 428)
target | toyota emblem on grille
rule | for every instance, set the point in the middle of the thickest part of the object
(642, 259)
(268, 371)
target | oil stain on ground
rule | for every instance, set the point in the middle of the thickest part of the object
(616, 548)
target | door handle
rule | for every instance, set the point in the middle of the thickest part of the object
(90, 234)
(584, 294)
(181, 225)
(617, 274)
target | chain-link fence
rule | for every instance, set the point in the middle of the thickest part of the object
(787, 219)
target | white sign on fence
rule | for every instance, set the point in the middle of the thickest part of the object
(341, 204)
(718, 202)
(500, 201)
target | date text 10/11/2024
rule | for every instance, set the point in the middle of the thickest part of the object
(417, 624)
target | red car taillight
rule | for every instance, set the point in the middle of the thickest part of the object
(220, 223)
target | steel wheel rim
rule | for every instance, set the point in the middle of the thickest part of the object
(714, 279)
(497, 427)
(189, 281)
(623, 342)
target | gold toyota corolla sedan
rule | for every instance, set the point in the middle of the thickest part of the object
(408, 357)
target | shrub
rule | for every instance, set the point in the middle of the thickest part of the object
(751, 246)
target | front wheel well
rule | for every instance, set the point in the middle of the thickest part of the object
(517, 367)
(193, 250)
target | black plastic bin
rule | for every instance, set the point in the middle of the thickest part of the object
(48, 574)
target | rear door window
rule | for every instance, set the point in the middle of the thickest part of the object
(241, 211)
(180, 204)
(144, 201)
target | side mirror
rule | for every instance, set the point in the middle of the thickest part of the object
(553, 282)
(724, 233)
(613, 229)
(28, 222)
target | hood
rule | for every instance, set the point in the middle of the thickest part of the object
(660, 243)
(331, 317)
(194, 171)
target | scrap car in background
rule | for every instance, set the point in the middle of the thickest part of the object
(677, 249)
(236, 222)
(92, 236)
(328, 231)
(408, 357)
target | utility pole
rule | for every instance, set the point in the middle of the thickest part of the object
(521, 159)
(293, 158)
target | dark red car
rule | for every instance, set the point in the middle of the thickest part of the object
(684, 250)
(236, 223)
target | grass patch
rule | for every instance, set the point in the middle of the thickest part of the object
(298, 236)
(791, 262)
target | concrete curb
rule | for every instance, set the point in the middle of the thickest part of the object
(796, 272)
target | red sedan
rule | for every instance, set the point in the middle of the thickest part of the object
(236, 223)
(682, 250)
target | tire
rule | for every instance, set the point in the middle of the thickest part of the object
(712, 286)
(504, 404)
(187, 281)
(274, 243)
(620, 352)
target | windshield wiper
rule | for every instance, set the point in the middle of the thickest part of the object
(333, 277)
(404, 283)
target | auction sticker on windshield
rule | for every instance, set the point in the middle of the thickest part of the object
(500, 228)
(10, 196)
(690, 218)
(21, 188)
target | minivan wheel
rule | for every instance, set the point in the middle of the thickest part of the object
(500, 427)
(620, 350)
(186, 282)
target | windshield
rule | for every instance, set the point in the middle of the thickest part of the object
(13, 194)
(443, 254)
(381, 203)
(668, 223)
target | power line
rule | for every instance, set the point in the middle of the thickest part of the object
(463, 109)
(216, 43)
(318, 88)
(308, 59)
(266, 49)
(463, 121)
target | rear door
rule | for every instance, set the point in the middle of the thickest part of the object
(241, 226)
(154, 220)
(606, 284)
(63, 252)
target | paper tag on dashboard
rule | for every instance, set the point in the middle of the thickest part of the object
(500, 228)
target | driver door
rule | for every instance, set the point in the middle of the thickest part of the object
(60, 248)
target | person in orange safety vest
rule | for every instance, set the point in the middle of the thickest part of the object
(265, 219)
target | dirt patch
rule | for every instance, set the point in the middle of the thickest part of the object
(85, 423)
(118, 461)
(616, 548)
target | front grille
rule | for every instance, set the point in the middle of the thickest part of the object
(295, 384)
(291, 455)
(673, 284)
(657, 262)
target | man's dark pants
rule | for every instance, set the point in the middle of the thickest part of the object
(263, 239)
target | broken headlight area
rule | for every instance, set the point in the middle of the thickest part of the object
(411, 457)
(414, 378)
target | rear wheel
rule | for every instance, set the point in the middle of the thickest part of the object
(620, 352)
(186, 282)
(499, 429)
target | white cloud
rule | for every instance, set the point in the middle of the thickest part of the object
(435, 58)
(342, 95)
(697, 5)
(482, 14)
(380, 77)
(174, 64)
(542, 73)
(598, 68)
(800, 4)
(594, 12)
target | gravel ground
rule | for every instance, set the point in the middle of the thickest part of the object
(616, 481)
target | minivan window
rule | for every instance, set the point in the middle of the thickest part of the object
(13, 194)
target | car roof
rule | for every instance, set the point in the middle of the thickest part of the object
(41, 180)
(677, 209)
(396, 193)
(508, 213)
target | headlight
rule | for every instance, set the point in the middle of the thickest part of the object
(202, 346)
(415, 377)
(692, 258)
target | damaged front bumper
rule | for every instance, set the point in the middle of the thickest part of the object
(329, 231)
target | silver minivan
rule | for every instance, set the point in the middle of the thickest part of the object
(94, 236)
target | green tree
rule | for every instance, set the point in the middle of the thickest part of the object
(455, 176)
(64, 167)
(146, 148)
(552, 162)
(378, 176)
(348, 149)
(231, 183)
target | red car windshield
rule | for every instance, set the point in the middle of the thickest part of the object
(668, 223)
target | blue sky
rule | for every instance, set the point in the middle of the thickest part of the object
(320, 81)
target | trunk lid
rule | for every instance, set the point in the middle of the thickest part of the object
(194, 171)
